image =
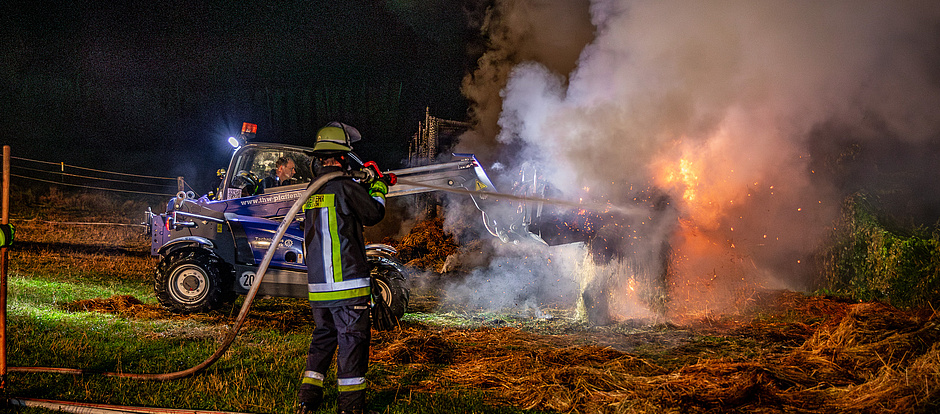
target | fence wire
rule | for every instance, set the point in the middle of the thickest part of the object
(59, 176)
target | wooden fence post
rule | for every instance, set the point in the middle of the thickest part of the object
(4, 219)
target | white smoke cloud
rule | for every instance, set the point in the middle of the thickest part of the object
(738, 92)
(524, 278)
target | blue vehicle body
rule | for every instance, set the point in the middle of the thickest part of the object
(211, 246)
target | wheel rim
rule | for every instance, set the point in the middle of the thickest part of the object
(188, 284)
(384, 290)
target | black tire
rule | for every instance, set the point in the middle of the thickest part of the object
(390, 284)
(190, 280)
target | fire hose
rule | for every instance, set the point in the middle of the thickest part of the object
(369, 173)
(243, 313)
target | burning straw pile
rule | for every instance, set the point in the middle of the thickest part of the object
(867, 358)
(427, 246)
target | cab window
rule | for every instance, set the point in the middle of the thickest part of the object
(255, 172)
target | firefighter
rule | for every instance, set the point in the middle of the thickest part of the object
(338, 273)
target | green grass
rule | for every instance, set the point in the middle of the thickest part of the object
(258, 374)
(38, 292)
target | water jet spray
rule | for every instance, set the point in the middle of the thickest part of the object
(598, 207)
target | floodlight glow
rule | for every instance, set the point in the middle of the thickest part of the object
(234, 142)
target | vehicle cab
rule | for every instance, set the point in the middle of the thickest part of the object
(243, 190)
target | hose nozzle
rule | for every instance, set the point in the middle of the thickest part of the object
(370, 173)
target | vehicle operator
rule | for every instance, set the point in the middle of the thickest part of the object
(281, 174)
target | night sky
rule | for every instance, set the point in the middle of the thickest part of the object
(156, 87)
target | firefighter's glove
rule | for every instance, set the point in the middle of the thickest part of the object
(6, 235)
(378, 189)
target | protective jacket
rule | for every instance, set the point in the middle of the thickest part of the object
(337, 269)
(271, 180)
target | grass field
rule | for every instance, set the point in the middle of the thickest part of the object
(80, 296)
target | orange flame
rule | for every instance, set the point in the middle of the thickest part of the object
(701, 200)
(705, 257)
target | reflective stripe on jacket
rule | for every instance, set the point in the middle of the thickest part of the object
(337, 269)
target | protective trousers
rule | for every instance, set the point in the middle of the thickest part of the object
(348, 329)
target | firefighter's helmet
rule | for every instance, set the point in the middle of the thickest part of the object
(336, 137)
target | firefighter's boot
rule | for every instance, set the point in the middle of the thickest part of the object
(309, 399)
